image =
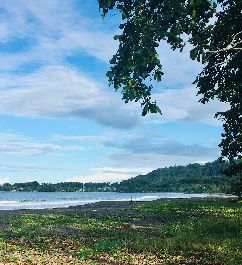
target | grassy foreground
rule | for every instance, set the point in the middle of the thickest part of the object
(168, 232)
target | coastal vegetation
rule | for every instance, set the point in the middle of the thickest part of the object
(164, 232)
(193, 178)
(209, 29)
(57, 187)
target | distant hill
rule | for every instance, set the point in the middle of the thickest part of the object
(193, 178)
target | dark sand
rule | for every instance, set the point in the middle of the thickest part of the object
(112, 207)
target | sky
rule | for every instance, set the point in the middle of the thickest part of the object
(59, 119)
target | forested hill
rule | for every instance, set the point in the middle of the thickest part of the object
(191, 178)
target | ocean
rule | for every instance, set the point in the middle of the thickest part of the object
(43, 200)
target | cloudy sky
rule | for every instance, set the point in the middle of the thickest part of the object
(59, 119)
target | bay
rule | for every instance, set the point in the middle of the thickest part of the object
(44, 200)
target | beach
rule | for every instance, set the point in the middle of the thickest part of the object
(118, 207)
(174, 231)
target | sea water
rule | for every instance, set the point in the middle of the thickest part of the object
(43, 200)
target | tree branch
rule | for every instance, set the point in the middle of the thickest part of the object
(233, 46)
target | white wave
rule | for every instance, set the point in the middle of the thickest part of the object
(135, 198)
(149, 197)
(6, 202)
(40, 201)
(11, 205)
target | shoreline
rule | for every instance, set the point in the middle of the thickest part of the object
(113, 206)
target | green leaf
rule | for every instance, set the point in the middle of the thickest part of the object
(116, 37)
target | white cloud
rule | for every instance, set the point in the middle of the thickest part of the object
(58, 91)
(13, 144)
(108, 138)
(53, 29)
(107, 174)
(155, 161)
(27, 149)
(133, 150)
(182, 104)
(122, 170)
(172, 148)
(4, 180)
(155, 152)
(74, 148)
(81, 138)
(33, 168)
(95, 43)
(179, 70)
(19, 145)
(130, 152)
(3, 31)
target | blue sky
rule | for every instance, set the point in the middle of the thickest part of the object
(59, 119)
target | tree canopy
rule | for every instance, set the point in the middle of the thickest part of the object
(214, 31)
(192, 178)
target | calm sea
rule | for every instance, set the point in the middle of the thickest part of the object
(42, 200)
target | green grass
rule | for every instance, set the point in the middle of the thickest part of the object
(171, 232)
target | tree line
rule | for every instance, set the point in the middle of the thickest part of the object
(193, 178)
(55, 187)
